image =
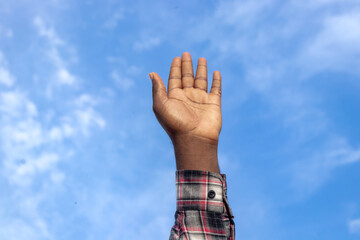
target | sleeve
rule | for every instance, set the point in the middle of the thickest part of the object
(202, 209)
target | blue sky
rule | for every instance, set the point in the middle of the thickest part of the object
(83, 157)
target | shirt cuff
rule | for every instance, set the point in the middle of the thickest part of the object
(200, 190)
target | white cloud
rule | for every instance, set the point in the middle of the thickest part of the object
(117, 208)
(67, 130)
(31, 150)
(324, 3)
(26, 134)
(243, 14)
(249, 31)
(54, 55)
(310, 174)
(124, 73)
(49, 33)
(18, 229)
(22, 159)
(42, 163)
(57, 177)
(62, 73)
(65, 77)
(7, 32)
(354, 226)
(336, 46)
(147, 43)
(85, 100)
(112, 22)
(87, 118)
(262, 78)
(56, 133)
(15, 103)
(123, 82)
(6, 77)
(27, 224)
(22, 173)
(133, 70)
(84, 116)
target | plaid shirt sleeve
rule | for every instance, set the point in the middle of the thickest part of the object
(202, 211)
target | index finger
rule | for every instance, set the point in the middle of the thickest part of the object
(175, 75)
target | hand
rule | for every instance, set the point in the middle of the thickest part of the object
(189, 114)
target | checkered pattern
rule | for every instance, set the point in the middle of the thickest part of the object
(200, 215)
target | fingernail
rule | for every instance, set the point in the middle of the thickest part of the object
(151, 76)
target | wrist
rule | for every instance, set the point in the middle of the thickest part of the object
(196, 153)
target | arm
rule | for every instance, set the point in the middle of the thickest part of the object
(192, 118)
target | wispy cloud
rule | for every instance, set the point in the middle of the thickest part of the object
(126, 208)
(27, 157)
(62, 74)
(336, 46)
(49, 33)
(123, 82)
(146, 43)
(310, 174)
(36, 136)
(24, 135)
(6, 78)
(6, 32)
(354, 226)
(124, 74)
(113, 20)
(87, 118)
(65, 77)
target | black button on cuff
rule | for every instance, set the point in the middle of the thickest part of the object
(211, 194)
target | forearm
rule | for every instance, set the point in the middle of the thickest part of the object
(194, 153)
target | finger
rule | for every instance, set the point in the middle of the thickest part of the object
(187, 71)
(201, 75)
(175, 74)
(158, 90)
(216, 84)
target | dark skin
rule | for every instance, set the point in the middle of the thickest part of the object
(189, 114)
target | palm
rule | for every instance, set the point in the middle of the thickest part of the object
(187, 108)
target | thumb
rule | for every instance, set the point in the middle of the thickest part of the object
(158, 89)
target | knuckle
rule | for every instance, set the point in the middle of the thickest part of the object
(188, 75)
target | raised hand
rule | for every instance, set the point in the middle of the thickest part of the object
(189, 114)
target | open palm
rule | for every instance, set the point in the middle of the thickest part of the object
(186, 108)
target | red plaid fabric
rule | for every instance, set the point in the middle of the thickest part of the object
(202, 212)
